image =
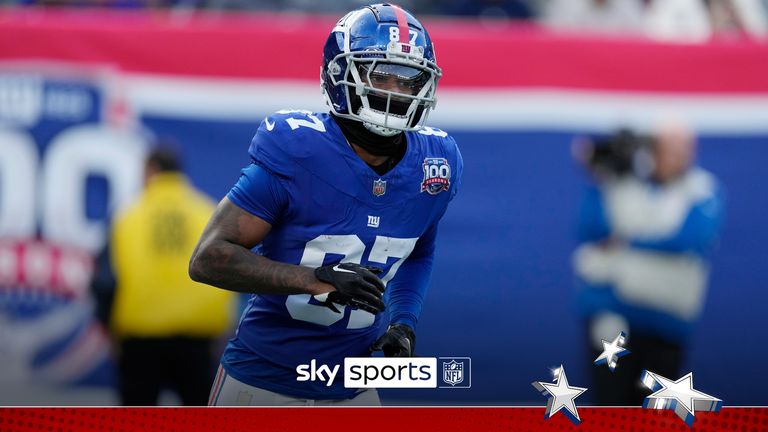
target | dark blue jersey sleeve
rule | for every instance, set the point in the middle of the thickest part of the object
(408, 289)
(259, 193)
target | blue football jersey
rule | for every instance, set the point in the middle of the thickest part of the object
(329, 207)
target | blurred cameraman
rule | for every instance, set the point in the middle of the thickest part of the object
(646, 229)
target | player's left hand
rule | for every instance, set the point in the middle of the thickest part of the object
(398, 341)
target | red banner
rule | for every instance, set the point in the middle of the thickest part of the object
(290, 47)
(368, 419)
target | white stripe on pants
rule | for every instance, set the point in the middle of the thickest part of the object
(227, 391)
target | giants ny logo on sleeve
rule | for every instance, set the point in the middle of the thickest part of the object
(437, 175)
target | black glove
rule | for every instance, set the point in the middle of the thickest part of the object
(356, 285)
(398, 341)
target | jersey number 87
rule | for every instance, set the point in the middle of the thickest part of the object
(352, 248)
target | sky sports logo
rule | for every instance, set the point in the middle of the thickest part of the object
(377, 372)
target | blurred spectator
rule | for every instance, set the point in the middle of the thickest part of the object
(605, 16)
(303, 6)
(508, 9)
(738, 17)
(647, 227)
(163, 323)
(699, 20)
(114, 4)
(678, 20)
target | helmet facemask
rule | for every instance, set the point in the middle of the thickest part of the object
(388, 92)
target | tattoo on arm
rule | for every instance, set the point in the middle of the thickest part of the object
(223, 258)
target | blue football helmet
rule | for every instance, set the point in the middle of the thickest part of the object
(379, 68)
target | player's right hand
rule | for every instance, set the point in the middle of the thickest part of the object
(356, 285)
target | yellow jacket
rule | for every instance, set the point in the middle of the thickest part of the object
(150, 247)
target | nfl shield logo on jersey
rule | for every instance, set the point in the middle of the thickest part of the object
(379, 187)
(437, 175)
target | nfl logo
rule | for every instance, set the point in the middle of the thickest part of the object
(379, 187)
(453, 372)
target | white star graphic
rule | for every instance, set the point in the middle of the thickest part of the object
(679, 396)
(612, 351)
(561, 395)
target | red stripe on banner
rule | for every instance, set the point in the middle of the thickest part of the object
(402, 22)
(373, 419)
(290, 47)
(228, 46)
(21, 273)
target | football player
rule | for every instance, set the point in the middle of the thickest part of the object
(332, 227)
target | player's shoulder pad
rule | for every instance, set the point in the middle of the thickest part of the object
(281, 139)
(436, 140)
(437, 143)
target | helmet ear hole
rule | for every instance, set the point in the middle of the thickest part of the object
(334, 68)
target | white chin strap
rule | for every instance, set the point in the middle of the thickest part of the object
(373, 119)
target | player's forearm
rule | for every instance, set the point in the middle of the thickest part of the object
(233, 267)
